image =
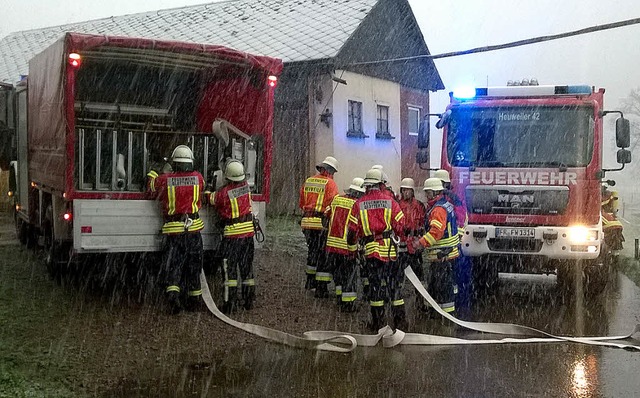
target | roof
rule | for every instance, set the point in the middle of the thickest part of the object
(292, 30)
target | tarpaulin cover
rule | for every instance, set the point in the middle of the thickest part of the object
(51, 97)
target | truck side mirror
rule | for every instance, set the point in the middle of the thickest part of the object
(624, 156)
(623, 135)
(444, 119)
(422, 156)
(423, 133)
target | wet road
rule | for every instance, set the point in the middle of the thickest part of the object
(530, 370)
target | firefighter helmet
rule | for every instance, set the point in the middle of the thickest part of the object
(443, 175)
(373, 177)
(182, 154)
(357, 184)
(234, 171)
(328, 162)
(385, 177)
(407, 183)
(433, 184)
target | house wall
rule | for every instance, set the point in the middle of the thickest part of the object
(417, 99)
(357, 155)
(291, 142)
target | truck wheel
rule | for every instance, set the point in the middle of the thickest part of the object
(484, 274)
(22, 230)
(597, 277)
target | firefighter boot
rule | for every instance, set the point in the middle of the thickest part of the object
(322, 289)
(195, 304)
(311, 282)
(248, 295)
(377, 319)
(229, 304)
(400, 318)
(173, 299)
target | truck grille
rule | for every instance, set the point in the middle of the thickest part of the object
(515, 245)
(517, 199)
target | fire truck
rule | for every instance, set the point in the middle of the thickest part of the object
(96, 113)
(528, 162)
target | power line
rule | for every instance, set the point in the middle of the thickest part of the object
(512, 44)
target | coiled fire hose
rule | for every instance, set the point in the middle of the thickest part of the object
(346, 342)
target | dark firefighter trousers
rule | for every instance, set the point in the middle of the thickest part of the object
(316, 240)
(182, 263)
(239, 253)
(345, 274)
(440, 284)
(385, 286)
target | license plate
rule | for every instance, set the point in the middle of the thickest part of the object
(515, 233)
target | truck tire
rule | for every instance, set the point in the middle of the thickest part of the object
(594, 276)
(22, 230)
(484, 275)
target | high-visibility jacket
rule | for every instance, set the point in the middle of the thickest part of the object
(316, 194)
(441, 239)
(179, 196)
(233, 204)
(459, 208)
(338, 215)
(415, 215)
(373, 218)
(610, 221)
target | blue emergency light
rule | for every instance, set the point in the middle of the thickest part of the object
(466, 93)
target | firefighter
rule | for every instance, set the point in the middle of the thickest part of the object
(385, 188)
(441, 242)
(316, 195)
(377, 220)
(462, 271)
(233, 205)
(340, 256)
(178, 192)
(415, 215)
(611, 227)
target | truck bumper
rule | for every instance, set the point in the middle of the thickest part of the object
(563, 243)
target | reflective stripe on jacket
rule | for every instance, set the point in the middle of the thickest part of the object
(441, 239)
(338, 213)
(179, 195)
(233, 204)
(316, 195)
(374, 216)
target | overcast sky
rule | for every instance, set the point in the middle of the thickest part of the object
(609, 59)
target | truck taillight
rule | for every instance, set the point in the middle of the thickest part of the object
(67, 216)
(75, 60)
(272, 80)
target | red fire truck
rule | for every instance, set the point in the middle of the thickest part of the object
(527, 161)
(96, 113)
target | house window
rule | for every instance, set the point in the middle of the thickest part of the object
(414, 120)
(355, 120)
(383, 123)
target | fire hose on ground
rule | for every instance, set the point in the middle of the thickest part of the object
(345, 342)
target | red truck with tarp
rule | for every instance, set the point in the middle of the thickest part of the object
(97, 113)
(527, 161)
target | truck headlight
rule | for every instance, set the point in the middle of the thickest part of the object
(580, 234)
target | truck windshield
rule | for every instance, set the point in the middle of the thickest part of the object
(522, 136)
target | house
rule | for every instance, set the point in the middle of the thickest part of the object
(355, 82)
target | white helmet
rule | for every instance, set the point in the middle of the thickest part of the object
(373, 177)
(182, 154)
(443, 175)
(357, 184)
(407, 183)
(433, 184)
(385, 177)
(234, 171)
(329, 161)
